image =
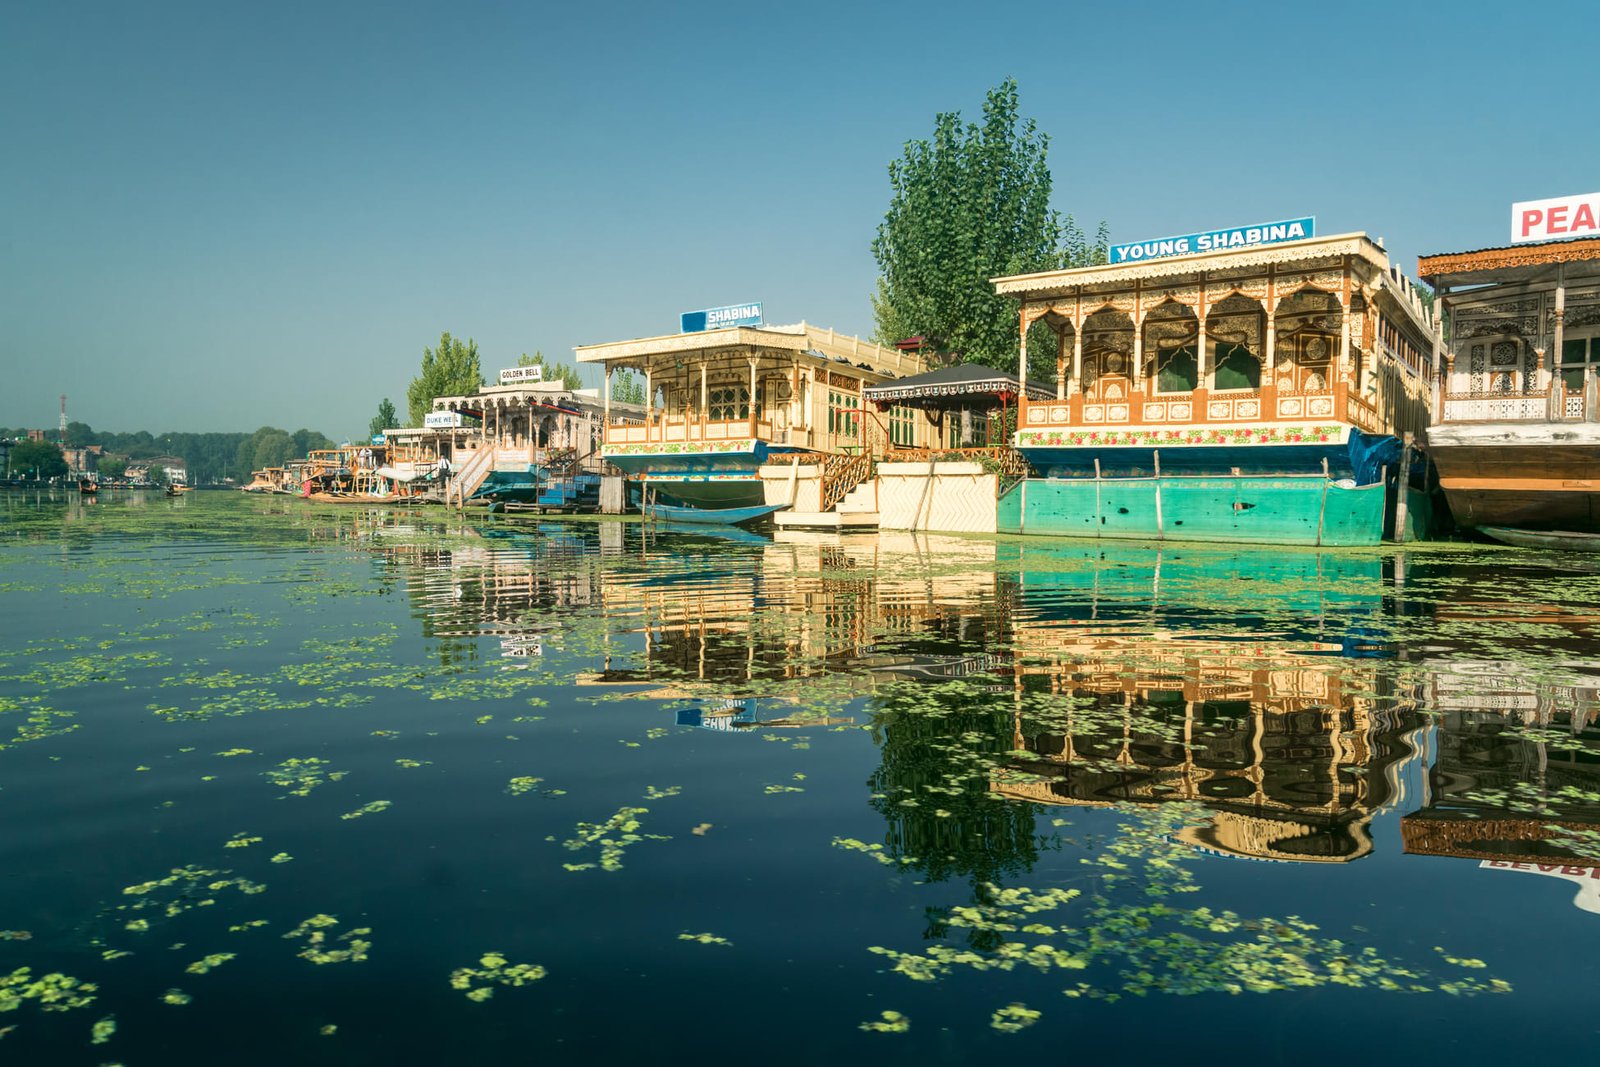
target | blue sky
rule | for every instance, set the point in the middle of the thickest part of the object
(222, 215)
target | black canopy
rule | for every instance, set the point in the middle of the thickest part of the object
(963, 384)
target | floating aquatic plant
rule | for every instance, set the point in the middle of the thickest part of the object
(369, 809)
(52, 992)
(207, 964)
(612, 837)
(301, 775)
(1014, 1017)
(493, 969)
(705, 939)
(316, 931)
(889, 1022)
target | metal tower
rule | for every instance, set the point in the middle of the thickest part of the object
(63, 424)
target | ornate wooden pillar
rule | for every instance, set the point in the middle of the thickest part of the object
(1022, 369)
(1271, 331)
(1061, 366)
(1077, 354)
(1560, 316)
(1206, 372)
(752, 411)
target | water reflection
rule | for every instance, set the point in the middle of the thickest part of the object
(1278, 692)
(986, 755)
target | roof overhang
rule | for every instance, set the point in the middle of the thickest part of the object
(1512, 264)
(1310, 253)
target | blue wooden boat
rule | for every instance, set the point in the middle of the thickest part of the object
(710, 516)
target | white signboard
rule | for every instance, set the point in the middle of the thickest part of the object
(441, 420)
(515, 375)
(1556, 218)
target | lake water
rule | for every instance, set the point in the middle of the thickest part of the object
(288, 785)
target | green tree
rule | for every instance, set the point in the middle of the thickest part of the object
(384, 419)
(274, 448)
(112, 467)
(554, 371)
(626, 389)
(969, 204)
(452, 369)
(38, 460)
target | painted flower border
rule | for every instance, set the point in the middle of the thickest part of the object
(1204, 436)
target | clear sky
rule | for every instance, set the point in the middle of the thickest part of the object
(218, 215)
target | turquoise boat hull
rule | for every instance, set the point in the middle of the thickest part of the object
(1260, 509)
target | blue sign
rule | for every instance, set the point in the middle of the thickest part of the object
(720, 318)
(378, 439)
(1263, 233)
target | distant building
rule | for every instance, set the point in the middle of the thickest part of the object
(173, 467)
(83, 460)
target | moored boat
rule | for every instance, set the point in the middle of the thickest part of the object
(1516, 427)
(1254, 394)
(734, 398)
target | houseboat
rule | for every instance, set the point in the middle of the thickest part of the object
(725, 400)
(1516, 433)
(522, 441)
(1247, 385)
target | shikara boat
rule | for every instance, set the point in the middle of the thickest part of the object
(1568, 540)
(710, 516)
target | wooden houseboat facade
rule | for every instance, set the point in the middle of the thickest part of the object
(1516, 434)
(722, 403)
(1252, 395)
(530, 442)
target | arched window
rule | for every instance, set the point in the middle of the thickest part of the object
(1237, 367)
(1177, 370)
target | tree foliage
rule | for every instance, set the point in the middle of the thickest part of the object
(209, 457)
(554, 371)
(384, 419)
(452, 369)
(627, 389)
(969, 204)
(38, 460)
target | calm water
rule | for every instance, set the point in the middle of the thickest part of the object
(298, 786)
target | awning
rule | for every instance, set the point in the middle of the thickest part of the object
(954, 383)
(398, 474)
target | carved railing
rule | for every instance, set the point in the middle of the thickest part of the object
(1003, 460)
(684, 429)
(1554, 404)
(842, 473)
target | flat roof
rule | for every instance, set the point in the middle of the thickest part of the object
(801, 339)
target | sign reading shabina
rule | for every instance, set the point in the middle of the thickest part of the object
(1262, 233)
(1556, 218)
(512, 375)
(720, 318)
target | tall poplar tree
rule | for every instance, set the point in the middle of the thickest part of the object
(970, 203)
(452, 369)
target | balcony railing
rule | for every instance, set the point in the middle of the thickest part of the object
(679, 429)
(1554, 404)
(1230, 407)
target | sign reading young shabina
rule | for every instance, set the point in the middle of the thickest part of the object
(1262, 233)
(720, 318)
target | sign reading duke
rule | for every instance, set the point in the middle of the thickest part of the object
(720, 318)
(1263, 233)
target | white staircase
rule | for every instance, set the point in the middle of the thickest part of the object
(857, 511)
(465, 481)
